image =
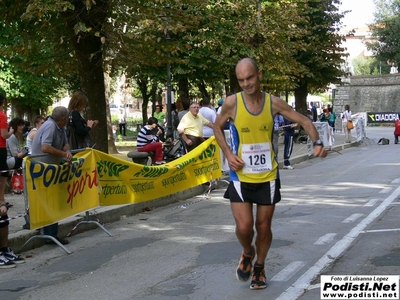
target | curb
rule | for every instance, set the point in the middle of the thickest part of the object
(304, 157)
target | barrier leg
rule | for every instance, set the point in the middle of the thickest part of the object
(44, 237)
(88, 221)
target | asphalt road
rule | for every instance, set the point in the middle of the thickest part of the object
(339, 215)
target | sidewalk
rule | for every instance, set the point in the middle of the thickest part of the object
(18, 236)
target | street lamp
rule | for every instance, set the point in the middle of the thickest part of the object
(169, 89)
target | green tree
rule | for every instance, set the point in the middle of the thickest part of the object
(369, 66)
(319, 54)
(29, 92)
(386, 31)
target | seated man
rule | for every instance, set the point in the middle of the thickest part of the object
(147, 142)
(191, 127)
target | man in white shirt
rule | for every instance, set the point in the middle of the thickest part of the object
(208, 113)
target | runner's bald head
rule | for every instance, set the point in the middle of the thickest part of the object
(247, 61)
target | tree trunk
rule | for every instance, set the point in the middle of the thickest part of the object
(203, 89)
(300, 98)
(143, 85)
(234, 84)
(88, 52)
(183, 88)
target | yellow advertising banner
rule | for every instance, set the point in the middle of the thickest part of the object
(97, 179)
(124, 182)
(56, 192)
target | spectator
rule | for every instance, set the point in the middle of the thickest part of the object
(396, 130)
(114, 132)
(346, 117)
(51, 138)
(309, 114)
(325, 116)
(220, 102)
(191, 127)
(78, 128)
(175, 120)
(122, 123)
(185, 109)
(332, 117)
(278, 122)
(160, 116)
(314, 112)
(207, 112)
(39, 120)
(27, 128)
(15, 153)
(8, 259)
(289, 127)
(147, 142)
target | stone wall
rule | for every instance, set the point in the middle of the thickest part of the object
(368, 94)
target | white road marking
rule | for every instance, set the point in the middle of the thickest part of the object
(371, 202)
(325, 239)
(303, 283)
(352, 218)
(381, 230)
(385, 190)
(289, 271)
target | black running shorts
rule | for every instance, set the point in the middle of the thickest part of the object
(4, 223)
(3, 162)
(266, 193)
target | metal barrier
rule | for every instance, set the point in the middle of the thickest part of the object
(41, 234)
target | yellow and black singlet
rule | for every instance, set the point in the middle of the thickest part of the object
(251, 140)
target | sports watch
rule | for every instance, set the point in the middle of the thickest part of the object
(318, 143)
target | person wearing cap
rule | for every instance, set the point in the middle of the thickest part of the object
(219, 108)
(220, 102)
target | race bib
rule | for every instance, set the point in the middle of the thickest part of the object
(257, 158)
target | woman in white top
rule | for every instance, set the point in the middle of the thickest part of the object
(346, 116)
(15, 153)
(39, 120)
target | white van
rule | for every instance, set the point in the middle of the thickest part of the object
(318, 104)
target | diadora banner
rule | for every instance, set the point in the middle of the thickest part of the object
(382, 117)
(97, 179)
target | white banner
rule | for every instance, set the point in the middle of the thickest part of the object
(325, 135)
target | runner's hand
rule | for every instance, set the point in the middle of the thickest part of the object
(235, 162)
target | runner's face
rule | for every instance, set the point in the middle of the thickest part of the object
(248, 78)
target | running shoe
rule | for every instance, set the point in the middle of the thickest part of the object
(5, 263)
(258, 280)
(11, 256)
(289, 167)
(243, 270)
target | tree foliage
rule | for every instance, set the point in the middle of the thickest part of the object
(294, 41)
(320, 55)
(386, 31)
